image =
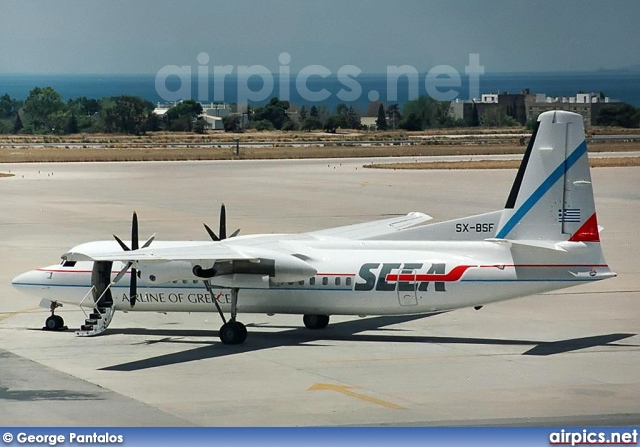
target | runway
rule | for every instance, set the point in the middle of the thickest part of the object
(570, 357)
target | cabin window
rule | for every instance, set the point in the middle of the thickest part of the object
(325, 281)
(312, 281)
(348, 281)
(337, 281)
(301, 283)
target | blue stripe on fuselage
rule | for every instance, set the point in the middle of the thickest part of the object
(556, 175)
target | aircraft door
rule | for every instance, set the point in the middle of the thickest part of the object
(406, 286)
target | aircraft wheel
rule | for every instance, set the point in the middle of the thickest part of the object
(54, 323)
(233, 333)
(315, 321)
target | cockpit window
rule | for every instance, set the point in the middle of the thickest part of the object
(68, 263)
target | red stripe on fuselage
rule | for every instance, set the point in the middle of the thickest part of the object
(454, 275)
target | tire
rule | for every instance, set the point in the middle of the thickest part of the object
(315, 321)
(233, 333)
(52, 323)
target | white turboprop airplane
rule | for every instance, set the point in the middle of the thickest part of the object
(546, 238)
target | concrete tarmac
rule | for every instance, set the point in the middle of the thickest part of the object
(570, 357)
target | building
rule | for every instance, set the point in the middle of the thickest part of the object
(525, 105)
(212, 113)
(513, 105)
(586, 104)
(369, 122)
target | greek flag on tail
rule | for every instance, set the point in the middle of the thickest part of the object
(569, 215)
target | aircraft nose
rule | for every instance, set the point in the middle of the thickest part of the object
(25, 279)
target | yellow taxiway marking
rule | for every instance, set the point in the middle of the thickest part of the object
(346, 390)
(17, 312)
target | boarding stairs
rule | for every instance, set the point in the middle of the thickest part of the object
(98, 320)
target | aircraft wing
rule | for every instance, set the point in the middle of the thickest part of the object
(210, 251)
(374, 228)
(225, 266)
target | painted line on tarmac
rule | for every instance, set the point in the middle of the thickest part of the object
(18, 312)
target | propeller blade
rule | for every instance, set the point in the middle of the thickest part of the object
(122, 272)
(134, 232)
(212, 235)
(146, 244)
(122, 244)
(223, 222)
(133, 287)
(235, 233)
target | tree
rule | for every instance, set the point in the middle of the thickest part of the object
(83, 106)
(313, 111)
(353, 118)
(372, 108)
(333, 122)
(497, 117)
(381, 121)
(290, 125)
(323, 113)
(303, 113)
(425, 112)
(411, 121)
(124, 114)
(71, 126)
(623, 115)
(8, 106)
(17, 124)
(275, 112)
(393, 112)
(263, 125)
(182, 116)
(311, 123)
(342, 109)
(41, 105)
(200, 126)
(231, 123)
(153, 123)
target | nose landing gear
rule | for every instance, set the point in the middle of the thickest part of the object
(54, 322)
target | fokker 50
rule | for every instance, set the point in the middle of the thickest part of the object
(545, 238)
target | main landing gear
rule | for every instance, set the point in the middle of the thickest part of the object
(232, 332)
(54, 322)
(315, 321)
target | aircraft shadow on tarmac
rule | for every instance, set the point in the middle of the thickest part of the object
(342, 331)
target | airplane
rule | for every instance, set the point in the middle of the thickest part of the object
(545, 238)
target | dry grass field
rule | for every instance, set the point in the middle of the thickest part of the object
(164, 146)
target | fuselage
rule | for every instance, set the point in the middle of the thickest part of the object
(352, 278)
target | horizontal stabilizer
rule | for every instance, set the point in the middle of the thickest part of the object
(375, 228)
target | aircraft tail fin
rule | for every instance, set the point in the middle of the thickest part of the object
(552, 197)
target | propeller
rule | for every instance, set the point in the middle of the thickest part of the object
(223, 227)
(133, 283)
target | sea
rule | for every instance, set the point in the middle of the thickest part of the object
(331, 90)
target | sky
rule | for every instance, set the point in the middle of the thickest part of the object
(142, 36)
